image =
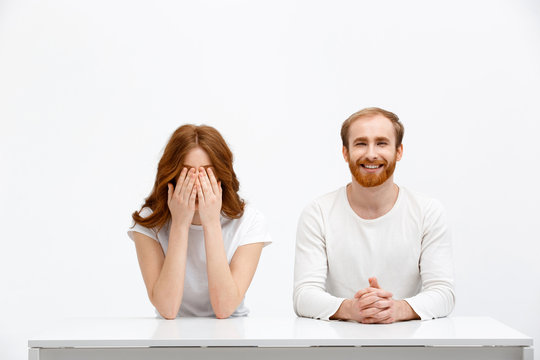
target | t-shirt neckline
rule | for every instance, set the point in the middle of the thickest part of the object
(200, 227)
(382, 217)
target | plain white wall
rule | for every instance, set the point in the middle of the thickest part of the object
(91, 91)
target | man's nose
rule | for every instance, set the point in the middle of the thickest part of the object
(371, 153)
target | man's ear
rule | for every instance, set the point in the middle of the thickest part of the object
(399, 152)
(345, 154)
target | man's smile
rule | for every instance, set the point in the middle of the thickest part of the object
(374, 166)
(371, 168)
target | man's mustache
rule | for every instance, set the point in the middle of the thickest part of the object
(367, 162)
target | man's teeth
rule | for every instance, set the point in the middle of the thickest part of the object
(371, 166)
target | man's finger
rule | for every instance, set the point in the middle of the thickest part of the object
(368, 291)
(363, 292)
(383, 293)
(383, 304)
(382, 315)
(374, 283)
(380, 304)
(369, 320)
(367, 301)
(370, 312)
(374, 320)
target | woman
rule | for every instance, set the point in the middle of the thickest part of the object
(197, 242)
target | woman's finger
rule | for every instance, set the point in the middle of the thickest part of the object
(186, 192)
(213, 181)
(200, 193)
(181, 181)
(193, 197)
(170, 190)
(203, 178)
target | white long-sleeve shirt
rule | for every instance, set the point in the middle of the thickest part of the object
(407, 249)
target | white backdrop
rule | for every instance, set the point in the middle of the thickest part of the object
(91, 91)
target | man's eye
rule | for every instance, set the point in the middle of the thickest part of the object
(382, 143)
(360, 144)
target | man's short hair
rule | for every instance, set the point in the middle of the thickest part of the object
(371, 111)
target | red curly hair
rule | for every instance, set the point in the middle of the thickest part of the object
(183, 140)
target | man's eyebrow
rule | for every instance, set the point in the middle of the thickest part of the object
(378, 138)
(362, 138)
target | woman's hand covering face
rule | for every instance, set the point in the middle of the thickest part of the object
(209, 196)
(181, 199)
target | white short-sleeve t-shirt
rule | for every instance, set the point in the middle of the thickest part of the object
(250, 228)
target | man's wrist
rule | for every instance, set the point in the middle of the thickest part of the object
(344, 311)
(405, 311)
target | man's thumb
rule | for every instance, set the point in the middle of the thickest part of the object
(374, 283)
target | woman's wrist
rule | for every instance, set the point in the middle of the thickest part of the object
(211, 225)
(179, 226)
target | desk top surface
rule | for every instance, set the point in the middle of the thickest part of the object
(275, 332)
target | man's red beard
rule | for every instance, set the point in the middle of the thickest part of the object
(370, 180)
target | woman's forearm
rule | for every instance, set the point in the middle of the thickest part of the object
(224, 294)
(168, 289)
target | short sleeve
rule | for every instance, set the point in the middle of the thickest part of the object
(145, 212)
(257, 229)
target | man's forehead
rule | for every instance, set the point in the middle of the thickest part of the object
(372, 126)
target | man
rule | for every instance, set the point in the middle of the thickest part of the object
(372, 251)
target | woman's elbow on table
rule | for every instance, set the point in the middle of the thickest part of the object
(167, 314)
(223, 315)
(223, 312)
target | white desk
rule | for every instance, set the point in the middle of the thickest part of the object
(282, 338)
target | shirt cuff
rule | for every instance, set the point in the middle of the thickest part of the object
(332, 308)
(415, 304)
